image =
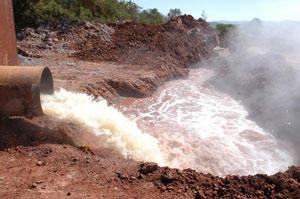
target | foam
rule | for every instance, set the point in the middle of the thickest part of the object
(96, 116)
(201, 128)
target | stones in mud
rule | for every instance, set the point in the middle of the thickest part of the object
(39, 163)
(148, 168)
(33, 186)
(60, 37)
(295, 173)
(168, 176)
(200, 195)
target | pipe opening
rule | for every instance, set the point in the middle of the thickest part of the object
(46, 82)
(21, 88)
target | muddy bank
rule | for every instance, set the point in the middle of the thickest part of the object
(64, 171)
(44, 157)
(128, 58)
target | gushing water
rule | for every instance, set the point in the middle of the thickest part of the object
(206, 130)
(189, 126)
(96, 116)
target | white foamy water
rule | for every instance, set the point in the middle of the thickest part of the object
(189, 126)
(203, 129)
(105, 121)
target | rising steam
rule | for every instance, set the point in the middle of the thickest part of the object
(263, 72)
(192, 125)
(207, 130)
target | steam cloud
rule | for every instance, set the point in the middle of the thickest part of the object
(263, 72)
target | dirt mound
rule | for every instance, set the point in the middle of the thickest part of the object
(179, 42)
(197, 185)
(143, 56)
(166, 50)
(59, 37)
(64, 171)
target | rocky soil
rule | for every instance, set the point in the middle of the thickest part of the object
(45, 158)
(145, 56)
(65, 171)
(48, 158)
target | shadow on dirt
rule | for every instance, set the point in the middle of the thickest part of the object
(20, 132)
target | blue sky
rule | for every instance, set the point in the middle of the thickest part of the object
(270, 10)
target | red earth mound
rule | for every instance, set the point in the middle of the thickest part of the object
(44, 157)
(180, 42)
(141, 56)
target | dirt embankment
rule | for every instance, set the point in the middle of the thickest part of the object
(65, 171)
(41, 158)
(128, 58)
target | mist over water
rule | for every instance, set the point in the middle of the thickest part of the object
(189, 126)
(236, 115)
(262, 71)
(201, 128)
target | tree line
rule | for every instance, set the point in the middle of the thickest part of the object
(32, 13)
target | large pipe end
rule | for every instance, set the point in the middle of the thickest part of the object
(21, 88)
(46, 82)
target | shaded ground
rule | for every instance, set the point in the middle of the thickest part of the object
(64, 171)
(44, 157)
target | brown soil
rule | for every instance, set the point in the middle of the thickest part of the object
(48, 158)
(144, 56)
(180, 42)
(45, 158)
(65, 171)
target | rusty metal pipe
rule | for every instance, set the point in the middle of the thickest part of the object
(20, 89)
(8, 47)
(20, 86)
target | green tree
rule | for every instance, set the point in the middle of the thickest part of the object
(174, 13)
(109, 10)
(35, 12)
(151, 16)
(51, 11)
(129, 10)
(224, 29)
(24, 14)
(32, 13)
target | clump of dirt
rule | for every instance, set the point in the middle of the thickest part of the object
(65, 171)
(59, 37)
(179, 42)
(165, 49)
(141, 56)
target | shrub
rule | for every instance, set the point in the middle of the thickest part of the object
(224, 29)
(32, 13)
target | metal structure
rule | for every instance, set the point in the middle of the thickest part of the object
(8, 50)
(20, 86)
